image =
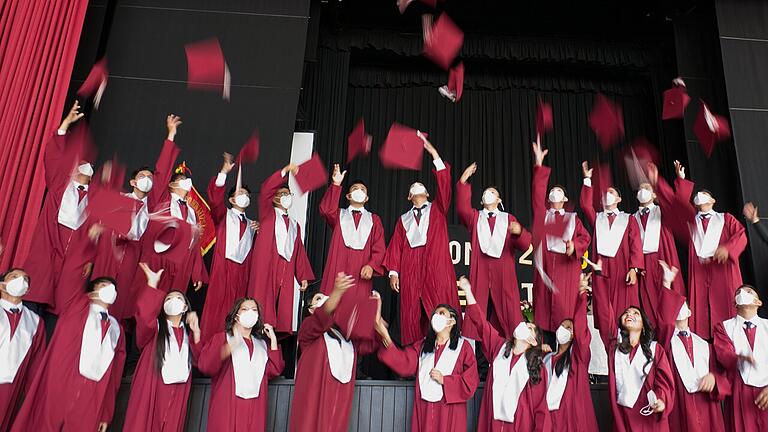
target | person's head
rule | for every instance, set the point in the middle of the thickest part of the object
(491, 198)
(317, 301)
(141, 180)
(611, 199)
(180, 184)
(747, 300)
(703, 200)
(527, 339)
(102, 291)
(14, 284)
(83, 172)
(283, 198)
(564, 336)
(645, 194)
(357, 194)
(417, 194)
(444, 321)
(557, 197)
(240, 199)
(175, 307)
(634, 325)
(245, 316)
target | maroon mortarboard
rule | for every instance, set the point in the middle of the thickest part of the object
(206, 67)
(637, 157)
(358, 142)
(110, 174)
(543, 117)
(675, 101)
(112, 209)
(80, 145)
(356, 316)
(312, 174)
(250, 151)
(456, 82)
(710, 129)
(607, 121)
(601, 181)
(402, 148)
(169, 237)
(444, 43)
(96, 82)
(402, 5)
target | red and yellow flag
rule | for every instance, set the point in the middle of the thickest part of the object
(202, 212)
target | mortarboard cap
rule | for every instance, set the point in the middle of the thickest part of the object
(358, 142)
(675, 101)
(96, 82)
(250, 151)
(312, 174)
(606, 121)
(206, 67)
(444, 42)
(356, 315)
(543, 117)
(710, 129)
(112, 209)
(402, 148)
(167, 236)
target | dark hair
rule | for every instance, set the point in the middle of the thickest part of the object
(357, 181)
(564, 362)
(734, 293)
(92, 284)
(565, 192)
(494, 187)
(618, 192)
(533, 356)
(257, 331)
(706, 191)
(11, 270)
(431, 338)
(646, 337)
(140, 169)
(311, 291)
(233, 189)
(163, 336)
(177, 176)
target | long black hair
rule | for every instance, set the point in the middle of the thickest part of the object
(564, 362)
(163, 335)
(533, 356)
(646, 337)
(429, 341)
(257, 331)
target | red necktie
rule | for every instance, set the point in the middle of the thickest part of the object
(287, 222)
(356, 215)
(611, 218)
(749, 330)
(14, 316)
(243, 224)
(104, 324)
(81, 193)
(644, 216)
(685, 337)
(179, 333)
(418, 214)
(491, 221)
(249, 344)
(184, 209)
(704, 221)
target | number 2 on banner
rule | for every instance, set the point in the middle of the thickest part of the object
(524, 258)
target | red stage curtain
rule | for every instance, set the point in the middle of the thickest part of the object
(38, 42)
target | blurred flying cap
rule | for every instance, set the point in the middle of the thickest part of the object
(111, 174)
(80, 145)
(676, 99)
(96, 82)
(543, 117)
(312, 174)
(444, 43)
(169, 237)
(637, 157)
(606, 121)
(250, 151)
(402, 148)
(206, 67)
(358, 141)
(356, 315)
(112, 209)
(402, 5)
(710, 129)
(601, 181)
(455, 86)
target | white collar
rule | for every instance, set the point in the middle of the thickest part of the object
(236, 211)
(485, 212)
(170, 323)
(176, 198)
(614, 212)
(99, 308)
(650, 207)
(423, 206)
(279, 212)
(77, 185)
(5, 304)
(360, 209)
(740, 320)
(677, 331)
(134, 196)
(561, 211)
(709, 213)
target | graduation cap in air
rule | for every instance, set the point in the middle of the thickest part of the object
(112, 209)
(312, 174)
(402, 149)
(607, 121)
(167, 236)
(710, 129)
(676, 99)
(358, 142)
(444, 42)
(543, 117)
(96, 82)
(601, 181)
(356, 315)
(250, 151)
(206, 68)
(455, 85)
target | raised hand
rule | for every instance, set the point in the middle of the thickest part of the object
(342, 283)
(586, 170)
(269, 331)
(172, 122)
(338, 176)
(428, 145)
(670, 273)
(193, 323)
(750, 212)
(538, 153)
(228, 164)
(153, 278)
(73, 115)
(291, 168)
(471, 169)
(679, 170)
(467, 288)
(436, 375)
(394, 283)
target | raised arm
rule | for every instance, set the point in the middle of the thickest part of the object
(668, 308)
(402, 361)
(753, 219)
(582, 337)
(57, 167)
(329, 205)
(605, 317)
(270, 187)
(165, 163)
(585, 200)
(489, 338)
(216, 194)
(539, 182)
(442, 173)
(212, 355)
(464, 197)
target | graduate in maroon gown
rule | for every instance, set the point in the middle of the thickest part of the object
(741, 347)
(235, 234)
(168, 334)
(515, 395)
(496, 235)
(641, 384)
(22, 344)
(282, 259)
(77, 383)
(240, 361)
(700, 384)
(445, 368)
(357, 242)
(616, 242)
(326, 372)
(568, 391)
(556, 279)
(62, 225)
(418, 258)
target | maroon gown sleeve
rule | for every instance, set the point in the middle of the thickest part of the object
(395, 248)
(199, 272)
(460, 386)
(210, 361)
(464, 204)
(275, 363)
(581, 239)
(539, 192)
(636, 258)
(664, 381)
(313, 327)
(541, 415)
(116, 375)
(303, 268)
(367, 346)
(443, 198)
(402, 361)
(56, 167)
(667, 310)
(267, 193)
(148, 305)
(737, 238)
(163, 173)
(520, 241)
(722, 384)
(724, 349)
(37, 351)
(582, 337)
(216, 201)
(488, 337)
(673, 211)
(378, 246)
(329, 205)
(605, 317)
(585, 202)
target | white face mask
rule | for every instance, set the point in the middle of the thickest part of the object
(489, 198)
(701, 198)
(174, 306)
(745, 299)
(358, 196)
(243, 200)
(609, 199)
(522, 332)
(439, 322)
(248, 319)
(144, 184)
(185, 184)
(556, 196)
(108, 294)
(286, 201)
(644, 195)
(17, 287)
(563, 335)
(418, 189)
(85, 169)
(684, 313)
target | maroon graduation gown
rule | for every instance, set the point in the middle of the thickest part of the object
(740, 412)
(532, 411)
(426, 273)
(345, 259)
(321, 402)
(155, 406)
(450, 413)
(229, 280)
(628, 255)
(693, 412)
(493, 279)
(56, 270)
(659, 379)
(60, 398)
(12, 394)
(551, 309)
(226, 411)
(271, 276)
